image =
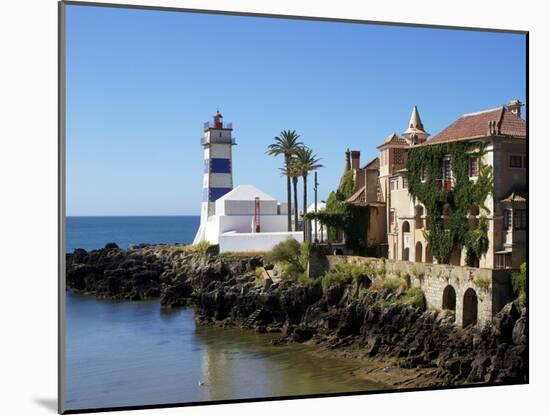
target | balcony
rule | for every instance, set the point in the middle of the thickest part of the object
(218, 140)
(444, 185)
(218, 125)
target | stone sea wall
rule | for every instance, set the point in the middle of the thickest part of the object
(490, 289)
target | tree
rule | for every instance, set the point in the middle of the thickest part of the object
(286, 145)
(306, 162)
(291, 171)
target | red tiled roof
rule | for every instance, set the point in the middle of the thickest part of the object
(478, 125)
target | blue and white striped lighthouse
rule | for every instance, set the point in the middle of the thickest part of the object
(217, 180)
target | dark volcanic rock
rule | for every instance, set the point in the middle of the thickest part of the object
(224, 291)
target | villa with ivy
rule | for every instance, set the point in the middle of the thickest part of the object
(456, 198)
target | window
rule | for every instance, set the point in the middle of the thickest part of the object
(524, 162)
(520, 219)
(474, 166)
(515, 162)
(423, 174)
(446, 168)
(394, 184)
(444, 182)
(507, 219)
(503, 260)
(392, 217)
(405, 182)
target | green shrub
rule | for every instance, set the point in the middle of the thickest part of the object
(258, 272)
(413, 296)
(303, 279)
(519, 280)
(305, 253)
(482, 282)
(381, 271)
(289, 270)
(346, 273)
(418, 274)
(258, 281)
(287, 251)
(202, 248)
(391, 283)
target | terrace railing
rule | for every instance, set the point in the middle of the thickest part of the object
(218, 140)
(444, 185)
(222, 125)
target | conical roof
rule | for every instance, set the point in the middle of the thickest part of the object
(415, 124)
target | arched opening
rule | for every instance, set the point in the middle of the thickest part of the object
(418, 252)
(406, 232)
(449, 298)
(428, 257)
(418, 217)
(469, 308)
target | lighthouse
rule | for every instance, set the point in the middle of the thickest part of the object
(217, 143)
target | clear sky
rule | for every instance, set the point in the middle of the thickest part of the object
(141, 83)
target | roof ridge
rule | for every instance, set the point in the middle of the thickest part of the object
(480, 112)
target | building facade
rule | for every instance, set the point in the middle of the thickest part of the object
(383, 183)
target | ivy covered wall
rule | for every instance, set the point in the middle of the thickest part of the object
(338, 215)
(465, 194)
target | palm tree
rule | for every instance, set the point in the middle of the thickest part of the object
(286, 144)
(306, 162)
(291, 171)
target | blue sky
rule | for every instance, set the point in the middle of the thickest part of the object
(141, 83)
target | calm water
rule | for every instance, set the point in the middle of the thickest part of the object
(131, 353)
(93, 232)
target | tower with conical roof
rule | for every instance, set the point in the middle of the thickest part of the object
(217, 143)
(415, 133)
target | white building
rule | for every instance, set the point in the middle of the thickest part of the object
(240, 219)
(318, 231)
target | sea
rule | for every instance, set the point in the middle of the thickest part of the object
(123, 353)
(93, 232)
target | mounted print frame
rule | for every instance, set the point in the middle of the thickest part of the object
(263, 207)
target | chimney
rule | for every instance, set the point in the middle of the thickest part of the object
(355, 155)
(514, 107)
(347, 164)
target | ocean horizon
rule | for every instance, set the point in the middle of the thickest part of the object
(93, 232)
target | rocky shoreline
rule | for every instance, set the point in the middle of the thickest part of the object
(401, 345)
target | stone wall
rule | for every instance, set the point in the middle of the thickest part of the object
(478, 293)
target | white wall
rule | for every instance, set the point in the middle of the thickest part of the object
(220, 151)
(255, 242)
(221, 180)
(245, 207)
(243, 224)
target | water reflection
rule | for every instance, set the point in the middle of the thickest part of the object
(242, 364)
(131, 353)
